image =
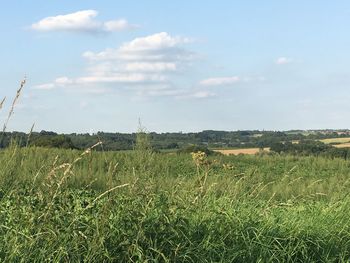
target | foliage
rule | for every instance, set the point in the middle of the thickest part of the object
(56, 141)
(160, 141)
(196, 148)
(310, 147)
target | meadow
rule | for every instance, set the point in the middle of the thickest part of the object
(142, 206)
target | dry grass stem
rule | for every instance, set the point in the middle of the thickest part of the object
(23, 82)
(2, 103)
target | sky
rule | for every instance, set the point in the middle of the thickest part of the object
(175, 65)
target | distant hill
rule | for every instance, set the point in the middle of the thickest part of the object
(169, 140)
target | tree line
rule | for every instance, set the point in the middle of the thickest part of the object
(280, 142)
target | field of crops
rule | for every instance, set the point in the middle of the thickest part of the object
(342, 145)
(249, 151)
(336, 140)
(141, 206)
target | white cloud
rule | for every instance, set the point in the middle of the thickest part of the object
(220, 81)
(142, 66)
(149, 58)
(168, 91)
(151, 67)
(283, 60)
(46, 86)
(63, 81)
(81, 21)
(195, 94)
(159, 91)
(121, 78)
(78, 21)
(119, 25)
(202, 94)
(156, 47)
(154, 42)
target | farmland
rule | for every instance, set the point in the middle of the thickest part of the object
(342, 145)
(249, 151)
(336, 140)
(95, 206)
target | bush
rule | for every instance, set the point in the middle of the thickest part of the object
(55, 141)
(196, 148)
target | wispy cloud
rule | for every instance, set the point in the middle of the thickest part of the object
(145, 59)
(118, 25)
(224, 81)
(61, 81)
(202, 94)
(156, 47)
(151, 67)
(283, 60)
(179, 94)
(82, 21)
(45, 86)
(145, 65)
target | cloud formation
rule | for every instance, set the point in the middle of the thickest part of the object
(283, 60)
(82, 21)
(157, 47)
(146, 66)
(142, 60)
(220, 81)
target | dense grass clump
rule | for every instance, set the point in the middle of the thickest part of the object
(142, 206)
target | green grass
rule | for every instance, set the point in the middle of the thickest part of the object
(142, 206)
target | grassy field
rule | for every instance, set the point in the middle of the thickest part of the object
(140, 206)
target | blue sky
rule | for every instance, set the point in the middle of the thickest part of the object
(178, 66)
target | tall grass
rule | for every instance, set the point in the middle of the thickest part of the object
(23, 82)
(63, 205)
